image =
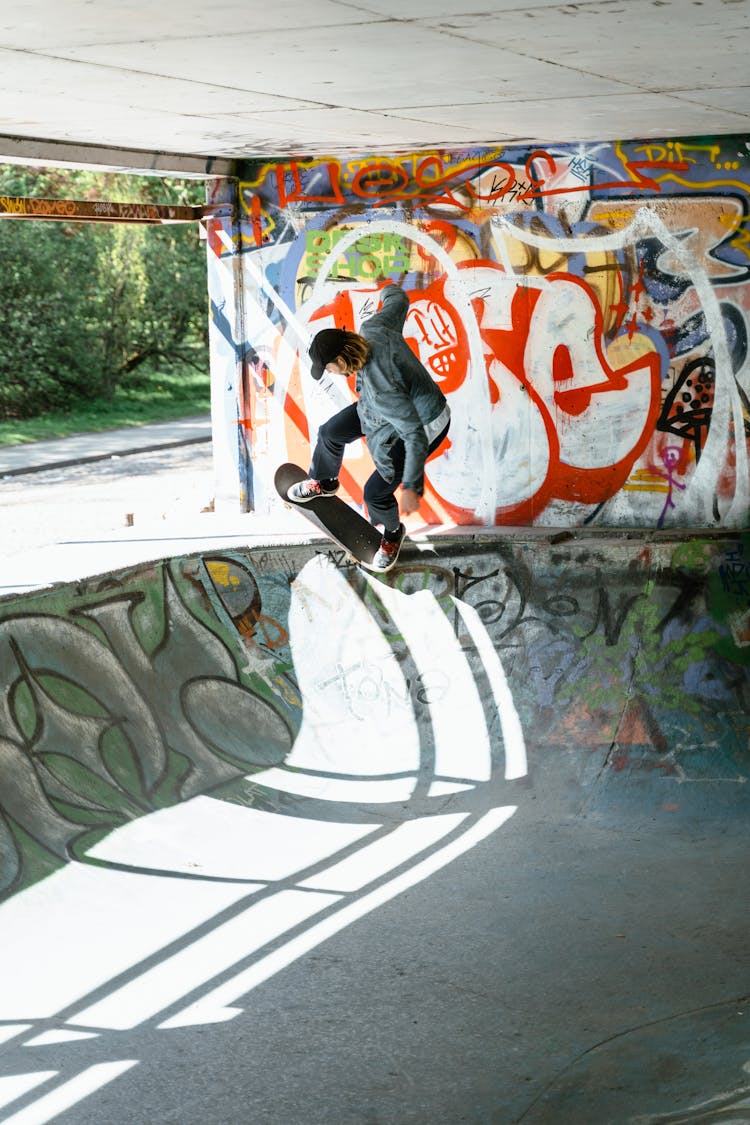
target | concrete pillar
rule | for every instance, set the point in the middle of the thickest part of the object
(230, 405)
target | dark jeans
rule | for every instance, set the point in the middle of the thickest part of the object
(328, 454)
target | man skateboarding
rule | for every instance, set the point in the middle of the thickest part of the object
(401, 413)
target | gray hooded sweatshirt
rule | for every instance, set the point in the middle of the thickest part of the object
(398, 396)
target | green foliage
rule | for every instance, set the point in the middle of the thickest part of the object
(86, 305)
(146, 396)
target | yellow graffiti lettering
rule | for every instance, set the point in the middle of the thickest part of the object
(12, 206)
(221, 574)
(740, 237)
(52, 207)
(614, 218)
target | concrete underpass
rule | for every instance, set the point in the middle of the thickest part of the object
(284, 843)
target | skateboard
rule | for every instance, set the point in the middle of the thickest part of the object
(337, 520)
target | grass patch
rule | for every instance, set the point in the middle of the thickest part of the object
(157, 396)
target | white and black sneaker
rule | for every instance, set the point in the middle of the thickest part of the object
(309, 489)
(387, 554)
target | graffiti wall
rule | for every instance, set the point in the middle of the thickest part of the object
(134, 694)
(584, 308)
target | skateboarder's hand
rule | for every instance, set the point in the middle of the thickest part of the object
(409, 501)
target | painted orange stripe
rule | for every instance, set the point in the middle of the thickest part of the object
(297, 416)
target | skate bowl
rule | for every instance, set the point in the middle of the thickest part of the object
(285, 842)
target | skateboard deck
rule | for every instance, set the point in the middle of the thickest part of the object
(337, 520)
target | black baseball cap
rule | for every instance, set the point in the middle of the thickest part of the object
(326, 346)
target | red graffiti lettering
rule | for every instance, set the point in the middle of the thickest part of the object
(296, 193)
(378, 180)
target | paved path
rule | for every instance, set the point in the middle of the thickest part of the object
(65, 504)
(39, 455)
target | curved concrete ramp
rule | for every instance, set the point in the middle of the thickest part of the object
(282, 842)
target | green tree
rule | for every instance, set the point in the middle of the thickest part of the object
(86, 304)
(174, 316)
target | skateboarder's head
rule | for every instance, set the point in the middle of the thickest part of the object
(338, 351)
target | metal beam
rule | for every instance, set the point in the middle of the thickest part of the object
(105, 211)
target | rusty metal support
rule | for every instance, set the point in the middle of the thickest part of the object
(104, 211)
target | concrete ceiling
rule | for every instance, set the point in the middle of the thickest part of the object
(189, 86)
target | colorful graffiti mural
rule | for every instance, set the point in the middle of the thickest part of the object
(585, 309)
(221, 675)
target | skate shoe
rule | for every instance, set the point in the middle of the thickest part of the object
(309, 489)
(387, 554)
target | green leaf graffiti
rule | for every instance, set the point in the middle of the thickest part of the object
(119, 700)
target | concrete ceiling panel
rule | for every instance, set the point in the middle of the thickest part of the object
(601, 118)
(660, 45)
(38, 25)
(433, 9)
(248, 78)
(46, 82)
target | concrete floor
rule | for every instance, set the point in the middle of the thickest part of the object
(568, 970)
